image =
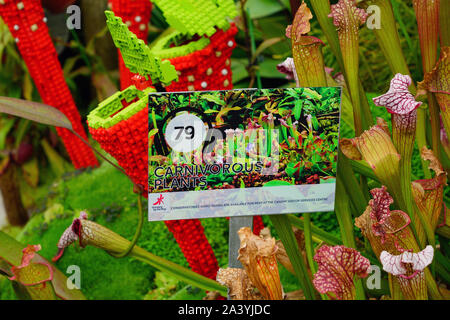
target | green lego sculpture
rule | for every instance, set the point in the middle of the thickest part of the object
(199, 17)
(137, 55)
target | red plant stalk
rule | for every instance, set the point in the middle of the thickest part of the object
(348, 18)
(427, 14)
(136, 15)
(306, 51)
(27, 23)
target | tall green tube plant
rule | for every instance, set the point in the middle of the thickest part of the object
(382, 156)
(427, 14)
(389, 41)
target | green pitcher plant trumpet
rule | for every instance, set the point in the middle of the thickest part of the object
(87, 232)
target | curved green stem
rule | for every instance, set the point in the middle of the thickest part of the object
(177, 271)
(137, 234)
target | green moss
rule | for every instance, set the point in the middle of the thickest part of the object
(107, 195)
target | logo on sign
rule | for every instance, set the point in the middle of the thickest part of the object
(159, 201)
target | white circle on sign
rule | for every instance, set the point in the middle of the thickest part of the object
(185, 133)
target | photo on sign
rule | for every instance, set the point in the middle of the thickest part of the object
(242, 152)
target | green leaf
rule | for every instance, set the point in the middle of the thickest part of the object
(20, 132)
(6, 125)
(30, 171)
(34, 111)
(298, 109)
(352, 187)
(214, 99)
(268, 69)
(58, 164)
(209, 111)
(311, 94)
(315, 123)
(5, 268)
(152, 132)
(276, 183)
(265, 45)
(442, 265)
(11, 252)
(223, 112)
(263, 8)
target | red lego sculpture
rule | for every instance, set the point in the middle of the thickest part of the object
(27, 23)
(208, 68)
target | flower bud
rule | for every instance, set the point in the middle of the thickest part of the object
(257, 255)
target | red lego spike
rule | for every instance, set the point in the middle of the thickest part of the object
(191, 238)
(136, 14)
(27, 23)
(258, 225)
